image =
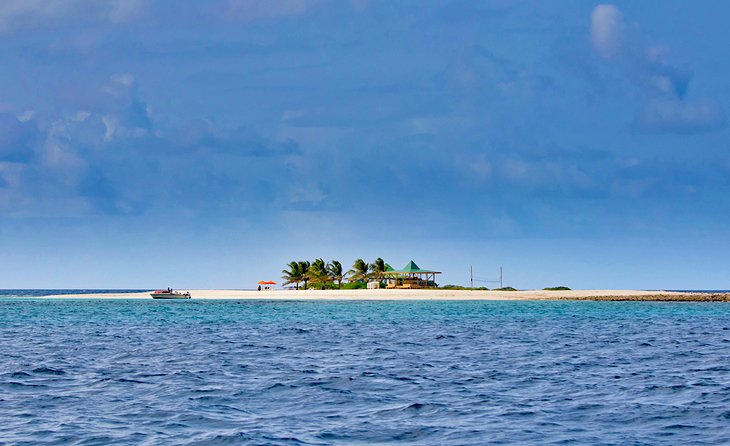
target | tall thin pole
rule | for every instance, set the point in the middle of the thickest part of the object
(500, 277)
(471, 275)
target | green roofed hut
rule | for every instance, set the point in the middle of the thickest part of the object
(411, 276)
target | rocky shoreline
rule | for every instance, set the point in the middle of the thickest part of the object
(674, 297)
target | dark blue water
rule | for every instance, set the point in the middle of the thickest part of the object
(428, 373)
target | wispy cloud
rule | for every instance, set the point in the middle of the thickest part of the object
(662, 115)
(18, 14)
(256, 10)
(113, 158)
(469, 122)
(664, 84)
(477, 68)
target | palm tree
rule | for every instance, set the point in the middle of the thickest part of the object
(334, 270)
(294, 274)
(377, 268)
(318, 272)
(304, 268)
(359, 271)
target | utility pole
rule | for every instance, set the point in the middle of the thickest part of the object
(500, 278)
(471, 275)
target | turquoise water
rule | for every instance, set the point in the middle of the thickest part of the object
(296, 373)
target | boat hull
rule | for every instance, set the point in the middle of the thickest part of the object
(170, 295)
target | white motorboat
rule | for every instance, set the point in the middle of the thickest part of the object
(170, 294)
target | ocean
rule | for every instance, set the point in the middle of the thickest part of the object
(88, 372)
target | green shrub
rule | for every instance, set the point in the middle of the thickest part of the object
(557, 288)
(354, 286)
(507, 288)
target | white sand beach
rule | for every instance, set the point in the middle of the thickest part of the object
(422, 294)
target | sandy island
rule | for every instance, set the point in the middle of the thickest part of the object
(427, 294)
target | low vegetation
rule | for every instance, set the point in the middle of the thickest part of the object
(459, 287)
(507, 288)
(557, 288)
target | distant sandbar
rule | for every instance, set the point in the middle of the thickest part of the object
(429, 294)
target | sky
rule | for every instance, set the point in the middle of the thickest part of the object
(205, 144)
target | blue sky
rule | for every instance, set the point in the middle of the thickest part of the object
(208, 143)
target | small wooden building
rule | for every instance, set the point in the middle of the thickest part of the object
(411, 276)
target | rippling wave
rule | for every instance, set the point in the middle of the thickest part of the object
(319, 373)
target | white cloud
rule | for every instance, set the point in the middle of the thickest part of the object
(10, 173)
(26, 116)
(15, 14)
(254, 10)
(310, 194)
(82, 115)
(625, 46)
(608, 30)
(662, 84)
(678, 116)
(125, 80)
(60, 156)
(477, 68)
(119, 11)
(126, 116)
(110, 126)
